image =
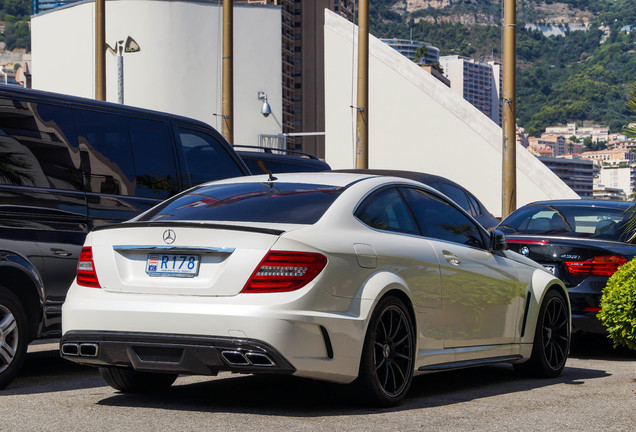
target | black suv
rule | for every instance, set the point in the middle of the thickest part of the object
(265, 160)
(68, 165)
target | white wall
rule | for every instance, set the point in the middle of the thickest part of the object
(178, 69)
(416, 123)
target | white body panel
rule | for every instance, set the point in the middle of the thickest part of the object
(468, 304)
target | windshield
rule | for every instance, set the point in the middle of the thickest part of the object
(569, 220)
(292, 203)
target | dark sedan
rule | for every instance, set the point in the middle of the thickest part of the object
(583, 242)
(462, 197)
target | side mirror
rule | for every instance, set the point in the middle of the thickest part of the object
(497, 241)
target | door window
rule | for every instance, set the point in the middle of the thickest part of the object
(387, 211)
(155, 168)
(440, 220)
(206, 158)
(104, 138)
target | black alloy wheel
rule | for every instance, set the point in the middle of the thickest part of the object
(386, 367)
(555, 333)
(551, 340)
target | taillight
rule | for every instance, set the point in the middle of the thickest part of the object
(598, 266)
(540, 242)
(285, 271)
(86, 275)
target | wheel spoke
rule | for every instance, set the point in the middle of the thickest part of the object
(401, 341)
(402, 356)
(7, 353)
(7, 325)
(400, 374)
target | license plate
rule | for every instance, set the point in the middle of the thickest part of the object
(175, 265)
(550, 267)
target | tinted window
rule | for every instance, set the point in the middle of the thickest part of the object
(250, 202)
(570, 221)
(104, 139)
(457, 195)
(156, 172)
(206, 158)
(38, 146)
(386, 210)
(258, 166)
(439, 219)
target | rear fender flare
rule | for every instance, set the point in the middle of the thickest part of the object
(542, 283)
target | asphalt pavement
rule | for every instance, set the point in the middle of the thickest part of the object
(597, 392)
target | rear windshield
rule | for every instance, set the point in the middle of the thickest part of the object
(571, 221)
(293, 203)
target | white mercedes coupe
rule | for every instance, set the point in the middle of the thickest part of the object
(348, 278)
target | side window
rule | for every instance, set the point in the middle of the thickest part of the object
(459, 196)
(477, 211)
(205, 157)
(440, 220)
(104, 139)
(386, 210)
(38, 146)
(155, 168)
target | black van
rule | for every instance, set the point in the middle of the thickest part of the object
(68, 165)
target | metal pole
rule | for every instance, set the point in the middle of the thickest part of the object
(509, 133)
(120, 78)
(100, 49)
(227, 128)
(362, 105)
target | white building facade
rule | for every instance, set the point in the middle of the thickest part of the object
(623, 178)
(416, 123)
(178, 69)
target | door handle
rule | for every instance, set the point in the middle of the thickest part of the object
(61, 252)
(452, 258)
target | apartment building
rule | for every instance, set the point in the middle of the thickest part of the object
(408, 48)
(480, 83)
(610, 157)
(623, 178)
(576, 173)
(303, 68)
(596, 132)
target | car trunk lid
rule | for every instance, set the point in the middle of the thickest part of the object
(179, 259)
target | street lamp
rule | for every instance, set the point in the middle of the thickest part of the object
(129, 46)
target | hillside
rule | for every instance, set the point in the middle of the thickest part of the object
(582, 75)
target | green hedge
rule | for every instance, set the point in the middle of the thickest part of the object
(618, 306)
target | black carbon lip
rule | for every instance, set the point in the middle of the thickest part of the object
(159, 352)
(199, 225)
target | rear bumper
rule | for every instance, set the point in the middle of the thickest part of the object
(585, 300)
(195, 332)
(173, 353)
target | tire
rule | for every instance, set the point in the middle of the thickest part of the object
(551, 344)
(14, 336)
(388, 355)
(128, 380)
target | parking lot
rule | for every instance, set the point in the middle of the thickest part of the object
(596, 392)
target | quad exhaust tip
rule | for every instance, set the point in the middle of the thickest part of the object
(238, 358)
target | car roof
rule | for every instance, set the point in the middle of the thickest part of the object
(585, 203)
(413, 175)
(328, 178)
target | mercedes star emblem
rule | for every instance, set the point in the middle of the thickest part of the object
(169, 236)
